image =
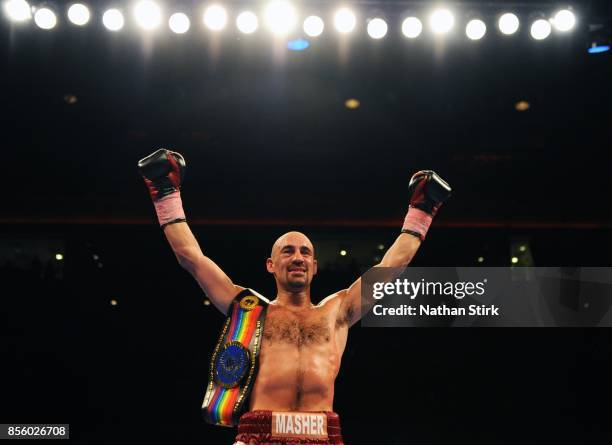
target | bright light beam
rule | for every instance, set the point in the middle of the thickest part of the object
(345, 21)
(508, 23)
(441, 21)
(79, 14)
(280, 17)
(147, 15)
(179, 23)
(540, 29)
(377, 28)
(45, 18)
(17, 10)
(113, 20)
(313, 26)
(475, 29)
(247, 22)
(412, 27)
(215, 17)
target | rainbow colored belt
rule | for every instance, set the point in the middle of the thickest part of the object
(234, 361)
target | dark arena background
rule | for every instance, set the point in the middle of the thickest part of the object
(100, 328)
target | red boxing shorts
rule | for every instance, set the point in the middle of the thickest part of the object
(289, 428)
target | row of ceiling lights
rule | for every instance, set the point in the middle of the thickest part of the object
(281, 18)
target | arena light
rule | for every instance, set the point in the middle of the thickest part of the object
(247, 22)
(345, 21)
(147, 14)
(522, 105)
(45, 18)
(598, 48)
(540, 29)
(508, 23)
(564, 20)
(313, 26)
(113, 20)
(17, 10)
(215, 17)
(412, 27)
(352, 104)
(280, 17)
(179, 23)
(441, 21)
(377, 28)
(475, 29)
(298, 44)
(79, 14)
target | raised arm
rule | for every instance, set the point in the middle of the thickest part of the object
(163, 172)
(427, 193)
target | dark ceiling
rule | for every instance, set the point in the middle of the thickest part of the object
(267, 137)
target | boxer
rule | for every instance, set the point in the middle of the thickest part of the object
(302, 343)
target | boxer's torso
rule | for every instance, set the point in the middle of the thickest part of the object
(300, 357)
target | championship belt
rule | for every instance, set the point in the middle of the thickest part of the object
(233, 366)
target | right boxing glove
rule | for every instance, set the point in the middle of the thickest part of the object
(428, 191)
(163, 172)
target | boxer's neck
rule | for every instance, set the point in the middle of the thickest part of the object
(295, 299)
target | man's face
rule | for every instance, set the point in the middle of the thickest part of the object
(292, 261)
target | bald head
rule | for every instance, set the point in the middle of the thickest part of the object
(296, 239)
(292, 262)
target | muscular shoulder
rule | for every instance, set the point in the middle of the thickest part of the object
(333, 300)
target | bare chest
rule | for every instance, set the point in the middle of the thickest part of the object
(308, 328)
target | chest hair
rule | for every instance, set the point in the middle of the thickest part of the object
(299, 331)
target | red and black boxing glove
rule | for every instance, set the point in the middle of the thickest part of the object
(428, 191)
(163, 172)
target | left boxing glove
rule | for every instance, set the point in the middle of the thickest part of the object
(163, 172)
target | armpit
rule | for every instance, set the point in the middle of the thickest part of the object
(346, 316)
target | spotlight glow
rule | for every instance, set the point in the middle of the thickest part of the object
(247, 22)
(540, 29)
(215, 17)
(522, 105)
(79, 14)
(345, 21)
(313, 26)
(179, 23)
(377, 28)
(298, 44)
(564, 20)
(412, 27)
(45, 18)
(598, 48)
(147, 15)
(508, 23)
(352, 104)
(475, 29)
(113, 20)
(441, 21)
(280, 17)
(17, 10)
